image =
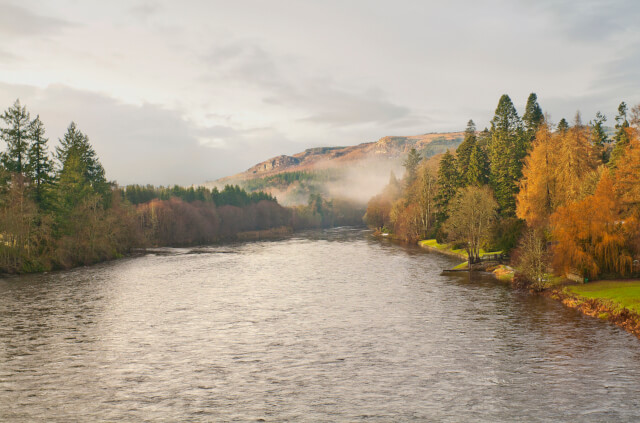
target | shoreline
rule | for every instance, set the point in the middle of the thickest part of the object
(601, 308)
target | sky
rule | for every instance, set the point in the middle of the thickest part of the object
(186, 92)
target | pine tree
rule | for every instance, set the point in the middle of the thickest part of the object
(463, 153)
(507, 150)
(477, 173)
(599, 136)
(563, 125)
(621, 136)
(16, 135)
(532, 117)
(40, 166)
(411, 166)
(448, 183)
(75, 143)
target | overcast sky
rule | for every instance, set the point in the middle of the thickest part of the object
(184, 92)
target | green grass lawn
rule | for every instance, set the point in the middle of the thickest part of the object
(460, 252)
(621, 293)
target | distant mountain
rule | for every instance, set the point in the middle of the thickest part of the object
(392, 147)
(339, 171)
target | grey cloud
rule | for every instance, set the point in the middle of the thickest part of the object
(18, 21)
(590, 20)
(621, 74)
(145, 144)
(324, 102)
(145, 10)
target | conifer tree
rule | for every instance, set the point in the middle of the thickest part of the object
(463, 153)
(448, 183)
(411, 166)
(75, 143)
(507, 150)
(40, 167)
(477, 172)
(532, 117)
(621, 136)
(16, 135)
(563, 125)
(599, 136)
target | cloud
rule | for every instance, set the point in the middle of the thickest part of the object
(18, 21)
(145, 10)
(590, 20)
(148, 143)
(321, 99)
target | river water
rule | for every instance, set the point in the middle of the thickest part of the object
(324, 326)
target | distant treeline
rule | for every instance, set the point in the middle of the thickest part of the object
(284, 179)
(231, 195)
(59, 211)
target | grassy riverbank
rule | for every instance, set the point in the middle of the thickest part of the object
(450, 250)
(616, 301)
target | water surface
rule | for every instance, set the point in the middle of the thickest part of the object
(324, 326)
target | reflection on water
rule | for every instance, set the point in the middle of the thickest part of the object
(329, 326)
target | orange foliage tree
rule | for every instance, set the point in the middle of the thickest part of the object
(555, 172)
(590, 235)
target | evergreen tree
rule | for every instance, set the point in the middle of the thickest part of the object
(532, 117)
(464, 150)
(507, 150)
(16, 135)
(599, 136)
(411, 166)
(448, 183)
(75, 143)
(563, 125)
(40, 167)
(477, 173)
(621, 136)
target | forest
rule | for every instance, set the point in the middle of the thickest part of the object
(560, 199)
(58, 210)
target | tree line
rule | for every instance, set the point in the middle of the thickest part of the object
(562, 198)
(59, 210)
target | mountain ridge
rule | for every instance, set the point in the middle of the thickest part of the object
(316, 158)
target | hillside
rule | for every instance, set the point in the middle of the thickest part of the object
(354, 173)
(391, 147)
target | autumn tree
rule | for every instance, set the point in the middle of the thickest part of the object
(591, 238)
(537, 197)
(472, 214)
(422, 194)
(533, 258)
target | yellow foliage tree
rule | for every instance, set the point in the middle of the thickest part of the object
(555, 172)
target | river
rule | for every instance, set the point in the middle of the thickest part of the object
(324, 326)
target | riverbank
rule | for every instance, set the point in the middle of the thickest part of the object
(615, 301)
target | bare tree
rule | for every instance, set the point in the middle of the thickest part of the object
(472, 214)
